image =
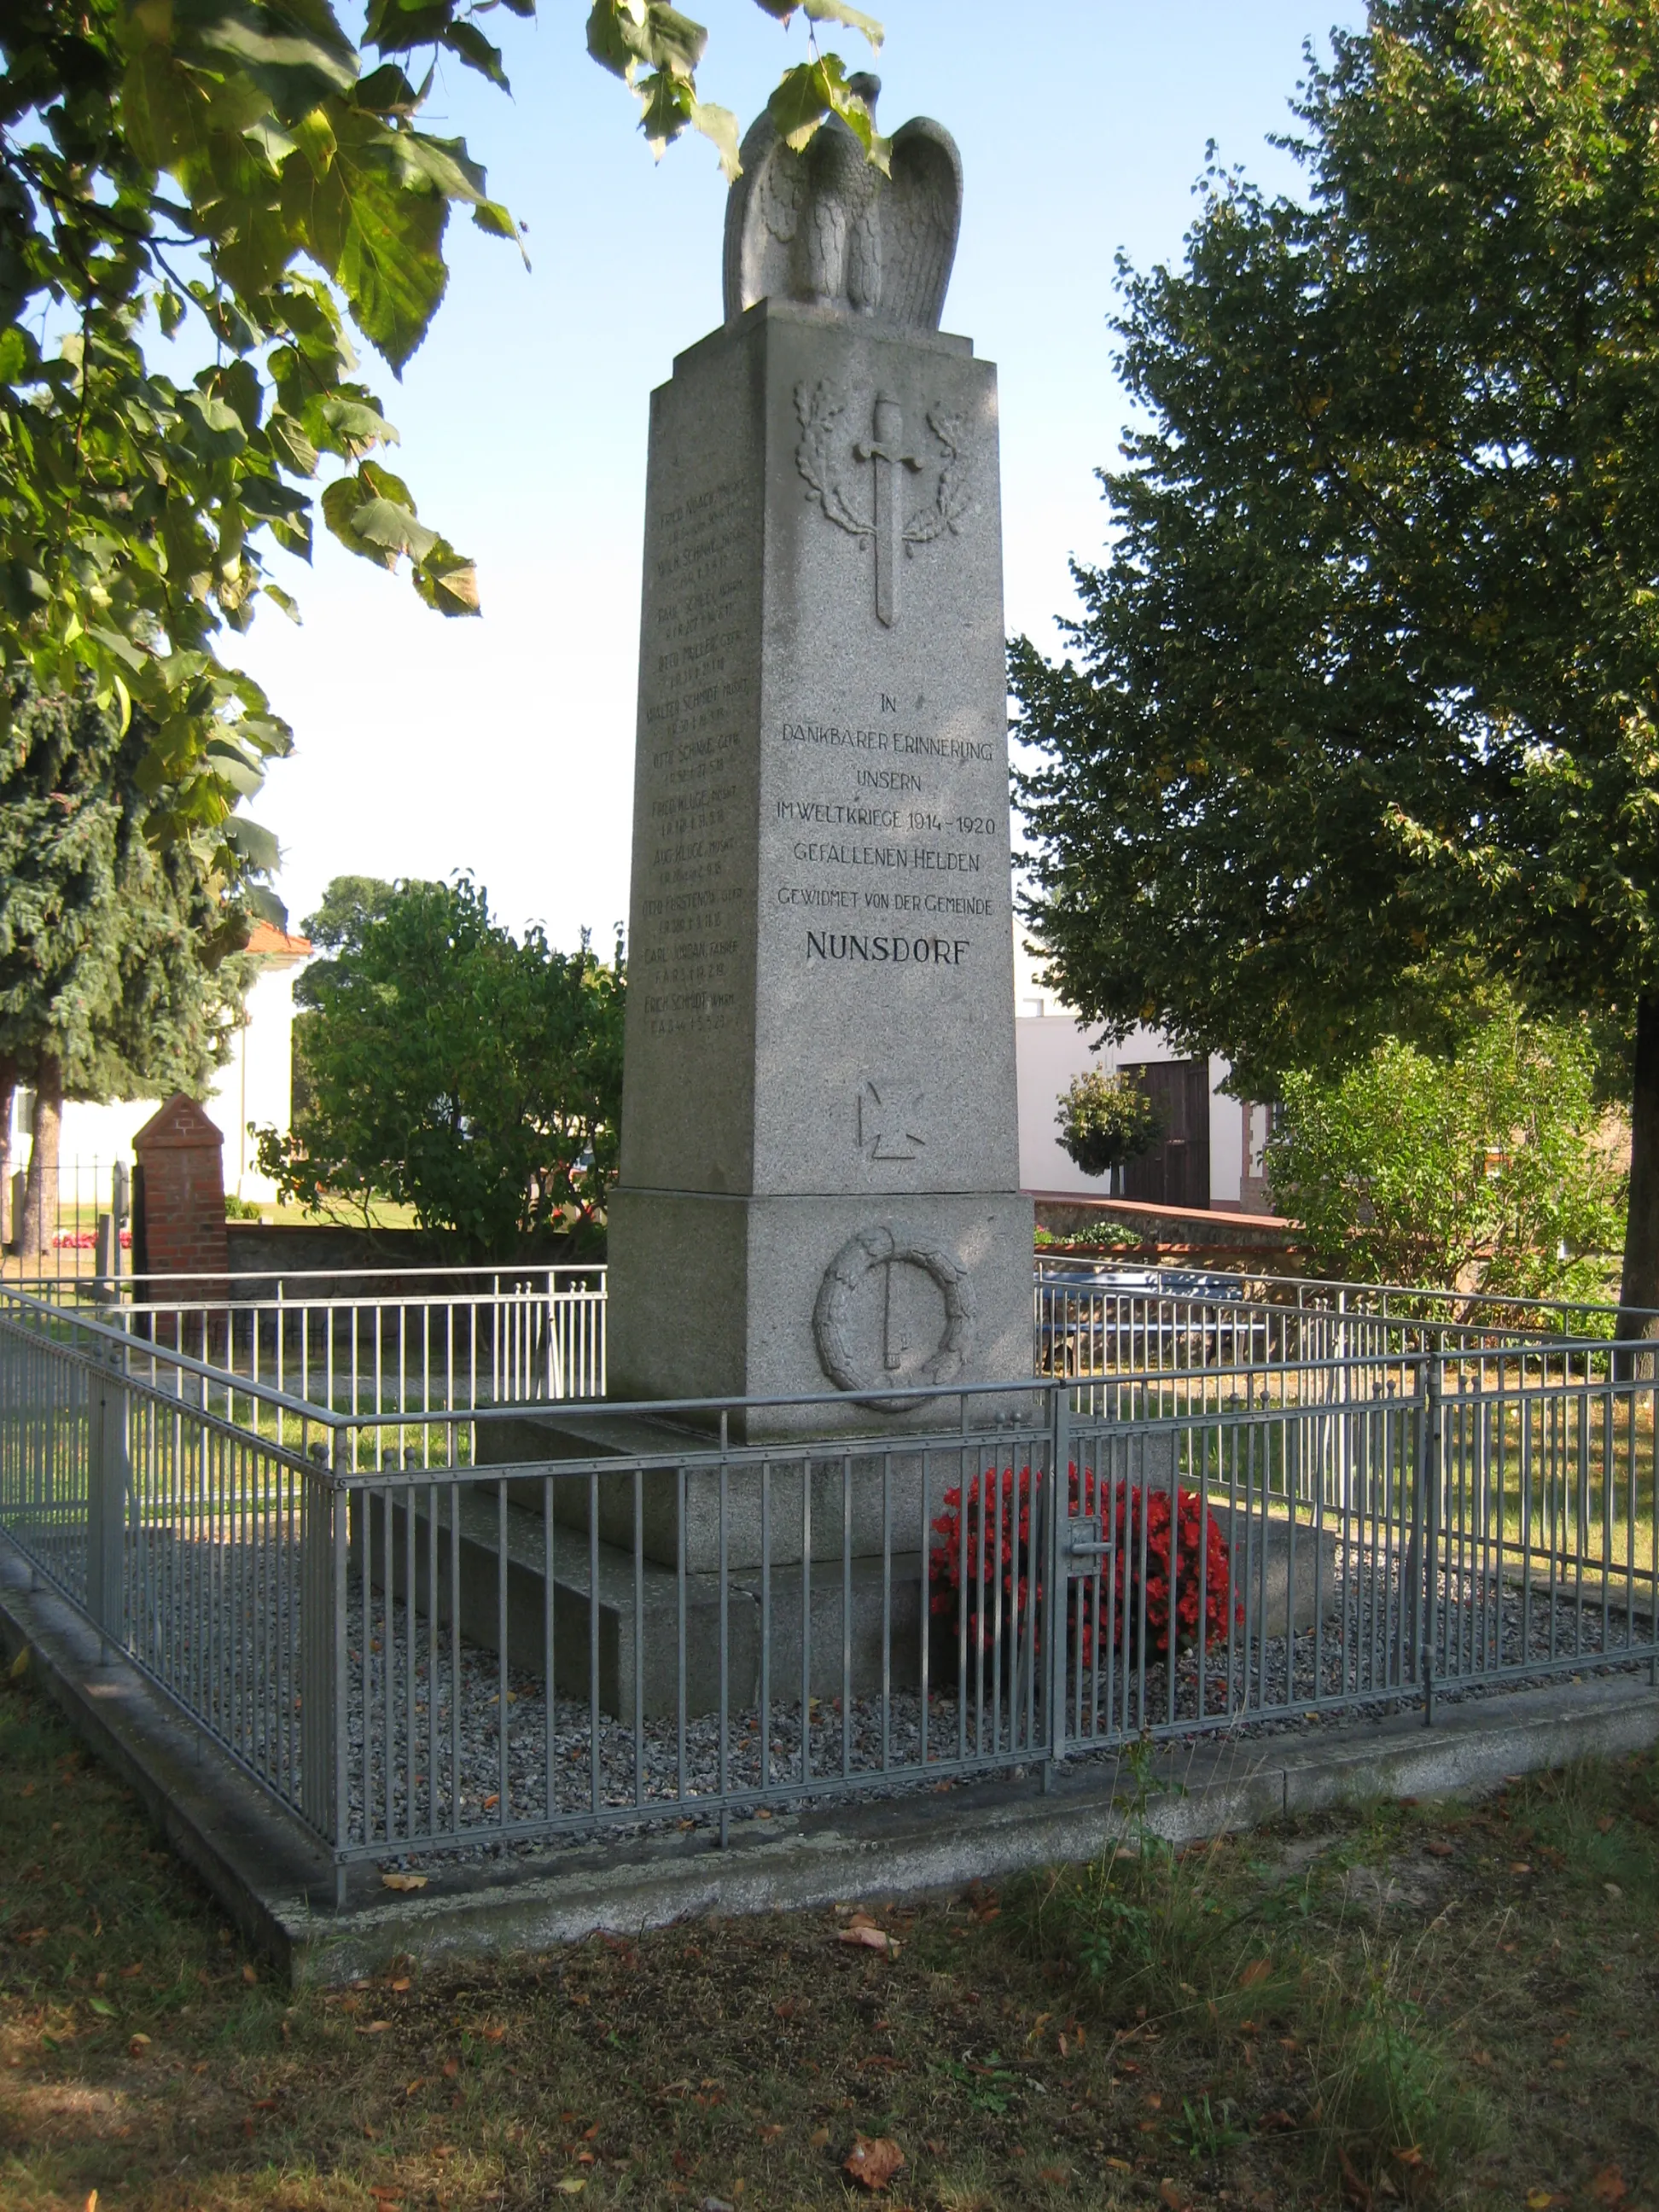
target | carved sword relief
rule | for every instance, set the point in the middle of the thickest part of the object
(894, 528)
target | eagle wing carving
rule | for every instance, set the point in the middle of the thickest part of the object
(823, 226)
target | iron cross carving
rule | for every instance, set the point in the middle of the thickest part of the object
(895, 529)
(889, 1121)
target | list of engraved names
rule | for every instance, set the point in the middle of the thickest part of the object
(695, 682)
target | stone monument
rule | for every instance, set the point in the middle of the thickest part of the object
(819, 1181)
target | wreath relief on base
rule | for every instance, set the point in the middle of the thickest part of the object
(889, 1244)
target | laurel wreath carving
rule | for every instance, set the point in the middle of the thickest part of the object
(885, 1244)
(819, 409)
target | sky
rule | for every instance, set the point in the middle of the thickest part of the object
(505, 745)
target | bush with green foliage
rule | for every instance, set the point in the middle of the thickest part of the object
(1488, 1169)
(449, 1067)
(1107, 1121)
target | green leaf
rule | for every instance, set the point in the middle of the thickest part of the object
(720, 126)
(832, 11)
(291, 445)
(232, 766)
(386, 91)
(377, 230)
(164, 109)
(476, 51)
(254, 843)
(448, 581)
(800, 103)
(214, 428)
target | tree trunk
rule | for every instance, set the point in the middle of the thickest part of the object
(35, 1231)
(1638, 1295)
(8, 1092)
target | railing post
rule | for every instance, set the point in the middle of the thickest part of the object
(322, 1631)
(1059, 1565)
(107, 1477)
(1432, 1472)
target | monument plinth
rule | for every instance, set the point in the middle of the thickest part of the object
(819, 1181)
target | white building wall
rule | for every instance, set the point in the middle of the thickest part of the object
(1051, 1047)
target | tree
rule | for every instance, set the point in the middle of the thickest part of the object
(246, 166)
(1488, 1171)
(120, 967)
(1107, 1121)
(1363, 710)
(451, 1067)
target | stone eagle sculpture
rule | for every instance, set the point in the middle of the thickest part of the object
(827, 228)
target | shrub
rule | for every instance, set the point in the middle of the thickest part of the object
(1107, 1121)
(962, 1558)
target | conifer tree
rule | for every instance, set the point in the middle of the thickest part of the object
(121, 974)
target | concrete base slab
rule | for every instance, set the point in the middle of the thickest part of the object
(279, 1890)
(641, 1609)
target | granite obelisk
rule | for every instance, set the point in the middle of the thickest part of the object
(819, 1183)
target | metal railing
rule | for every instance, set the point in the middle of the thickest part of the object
(422, 1630)
(369, 1340)
(78, 1236)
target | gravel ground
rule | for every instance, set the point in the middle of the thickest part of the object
(225, 1617)
(669, 1776)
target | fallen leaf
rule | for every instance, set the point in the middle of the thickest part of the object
(1357, 2191)
(249, 1975)
(1175, 2196)
(1410, 2157)
(403, 1880)
(1520, 1866)
(872, 1939)
(1607, 1822)
(1609, 2186)
(1257, 1971)
(401, 1984)
(1544, 2200)
(571, 2185)
(1612, 1890)
(874, 2161)
(770, 2133)
(19, 1667)
(91, 2204)
(1120, 2165)
(819, 2138)
(1054, 2173)
(492, 1801)
(1437, 1848)
(138, 2045)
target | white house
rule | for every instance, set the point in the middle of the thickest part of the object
(1221, 1137)
(256, 1086)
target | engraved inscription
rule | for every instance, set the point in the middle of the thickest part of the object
(687, 937)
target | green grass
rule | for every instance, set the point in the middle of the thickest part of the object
(1447, 2005)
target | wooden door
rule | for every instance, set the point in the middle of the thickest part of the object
(1177, 1171)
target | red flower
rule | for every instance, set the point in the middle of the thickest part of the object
(1136, 1524)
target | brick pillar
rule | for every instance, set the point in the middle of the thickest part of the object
(180, 1156)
